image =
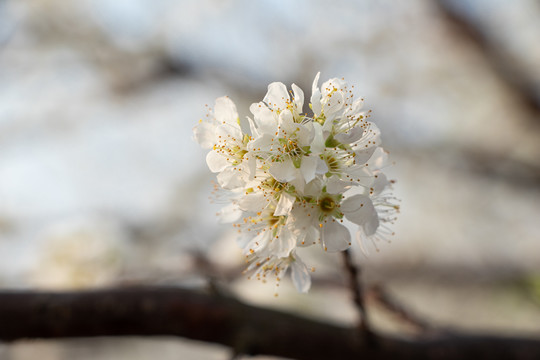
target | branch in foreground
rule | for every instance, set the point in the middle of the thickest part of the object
(247, 329)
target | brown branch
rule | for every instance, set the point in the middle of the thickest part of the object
(355, 284)
(500, 61)
(383, 298)
(247, 329)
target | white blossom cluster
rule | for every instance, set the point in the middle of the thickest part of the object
(294, 178)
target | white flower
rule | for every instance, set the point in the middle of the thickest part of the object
(265, 268)
(224, 113)
(229, 155)
(294, 179)
(323, 212)
(284, 138)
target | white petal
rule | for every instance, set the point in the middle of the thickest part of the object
(354, 203)
(379, 159)
(371, 137)
(225, 111)
(352, 135)
(357, 106)
(277, 96)
(253, 128)
(380, 183)
(251, 166)
(312, 236)
(334, 105)
(231, 133)
(361, 174)
(298, 98)
(298, 182)
(257, 244)
(362, 156)
(316, 96)
(216, 162)
(335, 237)
(205, 134)
(253, 202)
(308, 167)
(231, 179)
(306, 233)
(314, 188)
(335, 185)
(285, 204)
(360, 210)
(262, 143)
(282, 245)
(300, 276)
(305, 134)
(328, 86)
(360, 237)
(230, 213)
(322, 168)
(263, 118)
(283, 171)
(317, 146)
(286, 122)
(327, 127)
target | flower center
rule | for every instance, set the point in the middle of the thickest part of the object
(327, 204)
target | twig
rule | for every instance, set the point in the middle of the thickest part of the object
(511, 74)
(356, 286)
(382, 297)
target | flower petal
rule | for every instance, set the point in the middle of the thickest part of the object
(379, 159)
(308, 167)
(230, 213)
(352, 135)
(316, 96)
(335, 237)
(285, 204)
(362, 156)
(231, 178)
(216, 162)
(317, 146)
(253, 202)
(298, 98)
(300, 276)
(380, 183)
(283, 243)
(277, 96)
(335, 185)
(322, 168)
(228, 134)
(360, 210)
(205, 134)
(283, 171)
(225, 111)
(263, 118)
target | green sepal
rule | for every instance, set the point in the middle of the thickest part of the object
(331, 142)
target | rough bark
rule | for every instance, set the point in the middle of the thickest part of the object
(148, 311)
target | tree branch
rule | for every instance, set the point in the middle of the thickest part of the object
(354, 275)
(500, 61)
(382, 297)
(149, 311)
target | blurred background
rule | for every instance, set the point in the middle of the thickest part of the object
(101, 183)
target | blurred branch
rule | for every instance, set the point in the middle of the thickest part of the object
(247, 329)
(356, 286)
(500, 165)
(380, 296)
(500, 61)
